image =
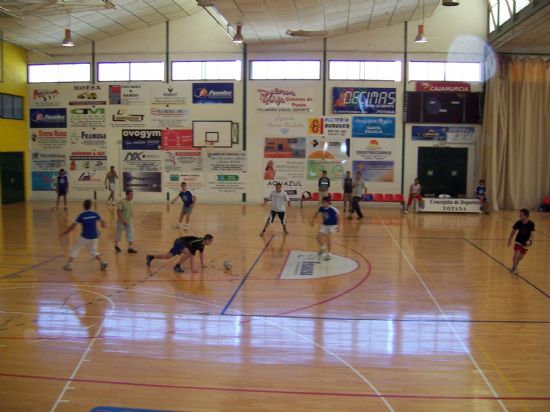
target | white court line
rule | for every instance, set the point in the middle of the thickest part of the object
(436, 303)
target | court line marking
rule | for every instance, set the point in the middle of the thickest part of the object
(508, 270)
(246, 275)
(32, 266)
(436, 303)
(277, 391)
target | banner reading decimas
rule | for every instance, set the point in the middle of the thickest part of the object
(362, 100)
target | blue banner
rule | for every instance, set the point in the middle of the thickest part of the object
(141, 139)
(457, 134)
(48, 118)
(44, 181)
(212, 93)
(363, 100)
(369, 126)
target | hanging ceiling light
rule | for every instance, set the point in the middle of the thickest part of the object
(238, 37)
(450, 3)
(67, 40)
(420, 38)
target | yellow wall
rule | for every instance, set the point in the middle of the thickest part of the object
(14, 133)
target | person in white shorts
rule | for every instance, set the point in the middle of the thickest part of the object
(88, 237)
(279, 199)
(110, 185)
(331, 224)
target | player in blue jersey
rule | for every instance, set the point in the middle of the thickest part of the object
(188, 203)
(88, 237)
(481, 194)
(187, 247)
(62, 188)
(331, 224)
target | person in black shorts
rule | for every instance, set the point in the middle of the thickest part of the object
(524, 239)
(185, 246)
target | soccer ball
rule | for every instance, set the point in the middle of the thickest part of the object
(227, 265)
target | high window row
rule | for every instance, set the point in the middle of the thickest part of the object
(259, 70)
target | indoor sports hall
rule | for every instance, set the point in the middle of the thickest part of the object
(374, 176)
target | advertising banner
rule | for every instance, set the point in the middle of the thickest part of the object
(83, 180)
(334, 169)
(87, 95)
(194, 181)
(87, 117)
(141, 139)
(443, 87)
(329, 126)
(226, 172)
(461, 134)
(363, 100)
(174, 139)
(373, 151)
(125, 117)
(44, 181)
(48, 118)
(281, 147)
(374, 171)
(45, 97)
(289, 172)
(166, 94)
(370, 126)
(328, 149)
(142, 181)
(49, 139)
(213, 93)
(285, 124)
(169, 117)
(89, 138)
(451, 205)
(141, 161)
(128, 94)
(87, 160)
(183, 161)
(296, 99)
(42, 161)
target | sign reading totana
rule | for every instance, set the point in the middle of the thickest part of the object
(302, 265)
(451, 205)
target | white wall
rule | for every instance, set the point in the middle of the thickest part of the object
(198, 37)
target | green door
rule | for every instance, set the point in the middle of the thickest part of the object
(13, 177)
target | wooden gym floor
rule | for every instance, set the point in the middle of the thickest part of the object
(431, 319)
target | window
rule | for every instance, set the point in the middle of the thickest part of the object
(443, 71)
(11, 107)
(126, 71)
(521, 4)
(59, 73)
(504, 12)
(365, 70)
(285, 70)
(206, 70)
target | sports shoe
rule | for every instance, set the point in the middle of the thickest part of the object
(405, 211)
(328, 256)
(178, 269)
(178, 226)
(131, 250)
(514, 270)
(118, 249)
(186, 227)
(149, 259)
(68, 266)
(103, 265)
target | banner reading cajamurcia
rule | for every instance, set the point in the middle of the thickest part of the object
(277, 99)
(363, 100)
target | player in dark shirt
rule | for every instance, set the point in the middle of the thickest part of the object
(524, 238)
(62, 188)
(185, 246)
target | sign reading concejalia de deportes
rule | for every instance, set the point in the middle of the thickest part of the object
(457, 134)
(303, 265)
(213, 93)
(363, 100)
(451, 205)
(371, 126)
(297, 99)
(443, 87)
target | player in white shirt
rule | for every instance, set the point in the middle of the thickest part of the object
(279, 200)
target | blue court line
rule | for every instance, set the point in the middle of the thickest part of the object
(248, 272)
(30, 267)
(508, 269)
(350, 319)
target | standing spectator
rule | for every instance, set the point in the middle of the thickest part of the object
(279, 199)
(481, 194)
(415, 192)
(188, 203)
(125, 221)
(88, 237)
(524, 239)
(324, 185)
(348, 191)
(110, 184)
(62, 188)
(359, 190)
